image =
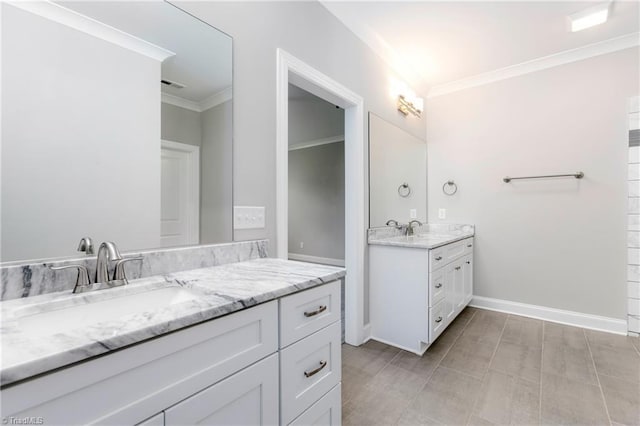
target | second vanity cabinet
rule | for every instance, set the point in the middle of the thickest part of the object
(275, 363)
(415, 293)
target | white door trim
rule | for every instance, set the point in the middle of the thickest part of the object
(193, 195)
(293, 70)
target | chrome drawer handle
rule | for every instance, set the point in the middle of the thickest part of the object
(438, 320)
(321, 309)
(469, 245)
(439, 285)
(457, 268)
(323, 364)
(439, 258)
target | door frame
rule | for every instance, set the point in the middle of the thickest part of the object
(292, 70)
(193, 177)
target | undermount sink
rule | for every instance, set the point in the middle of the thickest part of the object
(79, 312)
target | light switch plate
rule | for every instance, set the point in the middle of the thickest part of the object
(248, 217)
(413, 214)
(442, 213)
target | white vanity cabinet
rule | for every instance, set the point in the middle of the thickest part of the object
(274, 363)
(415, 292)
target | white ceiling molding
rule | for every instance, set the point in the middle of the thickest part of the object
(180, 102)
(87, 25)
(539, 64)
(210, 102)
(216, 99)
(316, 142)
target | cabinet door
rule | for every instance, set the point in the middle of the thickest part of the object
(249, 397)
(467, 268)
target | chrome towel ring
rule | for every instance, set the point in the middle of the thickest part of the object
(404, 190)
(453, 188)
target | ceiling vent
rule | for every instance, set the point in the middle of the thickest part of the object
(172, 84)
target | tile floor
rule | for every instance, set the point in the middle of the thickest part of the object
(493, 368)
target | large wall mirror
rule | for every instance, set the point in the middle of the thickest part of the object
(117, 125)
(397, 174)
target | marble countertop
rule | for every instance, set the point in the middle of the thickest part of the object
(215, 291)
(427, 236)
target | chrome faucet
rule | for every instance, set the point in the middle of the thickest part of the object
(392, 221)
(107, 252)
(410, 227)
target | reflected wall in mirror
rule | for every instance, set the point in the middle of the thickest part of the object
(117, 125)
(396, 158)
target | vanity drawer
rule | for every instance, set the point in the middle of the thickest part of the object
(436, 282)
(442, 255)
(309, 369)
(468, 245)
(306, 312)
(326, 412)
(437, 320)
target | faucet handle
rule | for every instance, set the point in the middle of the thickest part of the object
(83, 274)
(120, 273)
(86, 245)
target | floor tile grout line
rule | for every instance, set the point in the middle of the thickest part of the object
(595, 369)
(438, 364)
(495, 350)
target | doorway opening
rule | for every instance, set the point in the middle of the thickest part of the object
(316, 179)
(291, 70)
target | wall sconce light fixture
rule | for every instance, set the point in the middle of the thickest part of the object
(413, 105)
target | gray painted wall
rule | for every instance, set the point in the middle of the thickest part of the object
(316, 201)
(181, 125)
(97, 106)
(308, 31)
(216, 203)
(313, 118)
(555, 243)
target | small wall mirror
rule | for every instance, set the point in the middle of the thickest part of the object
(117, 125)
(397, 174)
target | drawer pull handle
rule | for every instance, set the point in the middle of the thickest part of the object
(468, 262)
(439, 285)
(316, 312)
(469, 245)
(439, 258)
(438, 320)
(323, 364)
(457, 268)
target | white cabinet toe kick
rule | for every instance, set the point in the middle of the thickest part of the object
(276, 363)
(415, 293)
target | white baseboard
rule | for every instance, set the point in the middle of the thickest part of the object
(576, 319)
(316, 259)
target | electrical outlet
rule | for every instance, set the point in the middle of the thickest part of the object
(442, 213)
(301, 244)
(245, 217)
(413, 214)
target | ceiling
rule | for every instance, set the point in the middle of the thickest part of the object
(430, 43)
(202, 60)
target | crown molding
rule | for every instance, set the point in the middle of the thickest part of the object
(208, 103)
(539, 64)
(93, 27)
(217, 99)
(174, 100)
